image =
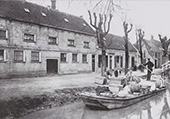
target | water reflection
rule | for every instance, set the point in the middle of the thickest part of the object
(157, 107)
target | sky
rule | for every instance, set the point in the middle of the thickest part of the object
(152, 16)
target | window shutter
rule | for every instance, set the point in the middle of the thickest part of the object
(7, 36)
(78, 57)
(5, 56)
(24, 56)
(35, 37)
(57, 40)
(40, 56)
(67, 57)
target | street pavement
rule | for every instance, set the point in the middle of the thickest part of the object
(19, 87)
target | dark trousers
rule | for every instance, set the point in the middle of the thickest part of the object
(149, 75)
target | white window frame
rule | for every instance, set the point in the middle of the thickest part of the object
(70, 41)
(23, 56)
(39, 57)
(6, 34)
(53, 43)
(30, 41)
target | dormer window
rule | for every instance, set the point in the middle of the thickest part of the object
(84, 24)
(26, 10)
(43, 14)
(66, 20)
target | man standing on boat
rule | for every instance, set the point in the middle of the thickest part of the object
(149, 68)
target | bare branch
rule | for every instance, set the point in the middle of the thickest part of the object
(91, 20)
(95, 19)
(105, 18)
(131, 26)
(110, 18)
(97, 4)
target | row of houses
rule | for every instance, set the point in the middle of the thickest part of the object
(35, 40)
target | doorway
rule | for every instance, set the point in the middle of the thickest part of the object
(52, 66)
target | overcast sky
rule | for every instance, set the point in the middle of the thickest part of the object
(152, 16)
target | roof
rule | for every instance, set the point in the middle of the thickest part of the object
(117, 43)
(154, 45)
(36, 14)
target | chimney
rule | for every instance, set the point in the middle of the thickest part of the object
(53, 4)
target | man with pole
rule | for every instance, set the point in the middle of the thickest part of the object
(149, 68)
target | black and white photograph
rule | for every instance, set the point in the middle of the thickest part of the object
(84, 59)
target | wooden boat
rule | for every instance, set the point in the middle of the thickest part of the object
(94, 101)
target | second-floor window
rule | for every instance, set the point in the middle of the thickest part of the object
(35, 56)
(3, 34)
(29, 37)
(63, 57)
(74, 57)
(53, 41)
(86, 44)
(84, 58)
(71, 42)
(19, 56)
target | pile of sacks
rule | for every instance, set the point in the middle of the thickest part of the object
(134, 84)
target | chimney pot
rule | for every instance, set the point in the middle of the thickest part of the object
(53, 4)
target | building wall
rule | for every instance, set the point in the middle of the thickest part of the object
(15, 41)
(114, 53)
(151, 55)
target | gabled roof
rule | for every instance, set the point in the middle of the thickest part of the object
(154, 45)
(117, 43)
(36, 14)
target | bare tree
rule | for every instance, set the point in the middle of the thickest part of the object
(165, 43)
(126, 31)
(101, 32)
(141, 34)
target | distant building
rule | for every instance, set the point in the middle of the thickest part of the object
(36, 40)
(152, 49)
(116, 53)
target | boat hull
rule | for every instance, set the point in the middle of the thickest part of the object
(101, 102)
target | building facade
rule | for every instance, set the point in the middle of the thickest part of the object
(35, 40)
(152, 49)
(115, 53)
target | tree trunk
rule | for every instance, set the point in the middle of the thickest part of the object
(103, 68)
(126, 55)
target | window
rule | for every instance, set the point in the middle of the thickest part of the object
(19, 56)
(1, 55)
(86, 44)
(84, 58)
(53, 40)
(63, 57)
(70, 42)
(26, 10)
(74, 57)
(29, 37)
(3, 34)
(99, 61)
(35, 56)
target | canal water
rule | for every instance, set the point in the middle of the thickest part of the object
(157, 107)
